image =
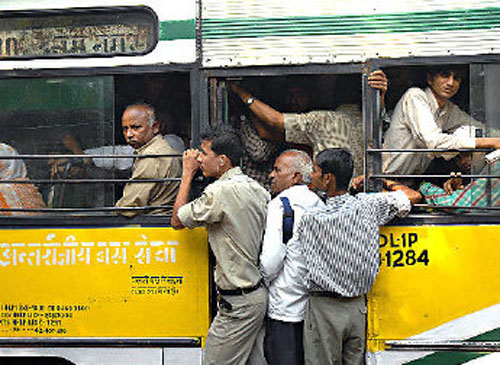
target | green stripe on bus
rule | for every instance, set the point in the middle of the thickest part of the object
(442, 20)
(456, 357)
(177, 29)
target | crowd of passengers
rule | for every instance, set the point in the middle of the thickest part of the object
(292, 271)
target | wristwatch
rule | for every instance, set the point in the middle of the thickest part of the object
(250, 100)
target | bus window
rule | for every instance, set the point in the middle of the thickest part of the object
(293, 94)
(463, 108)
(82, 115)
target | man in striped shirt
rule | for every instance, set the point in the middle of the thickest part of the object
(341, 252)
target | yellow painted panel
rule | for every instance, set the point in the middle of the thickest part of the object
(110, 282)
(431, 275)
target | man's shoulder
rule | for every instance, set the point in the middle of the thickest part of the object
(158, 146)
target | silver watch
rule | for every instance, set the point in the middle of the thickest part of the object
(250, 100)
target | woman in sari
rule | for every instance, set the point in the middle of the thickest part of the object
(16, 195)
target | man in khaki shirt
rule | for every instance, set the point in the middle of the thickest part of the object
(140, 129)
(233, 209)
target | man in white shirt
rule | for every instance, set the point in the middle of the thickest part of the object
(426, 119)
(281, 262)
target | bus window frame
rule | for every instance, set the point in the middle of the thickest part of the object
(373, 152)
(86, 11)
(197, 90)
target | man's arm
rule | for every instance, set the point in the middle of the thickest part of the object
(269, 122)
(189, 167)
(138, 194)
(413, 195)
(489, 142)
(273, 250)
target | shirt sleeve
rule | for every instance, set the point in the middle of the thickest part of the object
(138, 194)
(258, 149)
(273, 250)
(297, 128)
(207, 209)
(423, 125)
(389, 205)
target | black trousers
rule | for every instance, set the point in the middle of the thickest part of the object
(283, 343)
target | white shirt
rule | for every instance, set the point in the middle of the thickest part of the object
(126, 163)
(283, 266)
(418, 122)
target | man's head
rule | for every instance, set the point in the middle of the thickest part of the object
(221, 150)
(444, 81)
(292, 167)
(139, 124)
(332, 170)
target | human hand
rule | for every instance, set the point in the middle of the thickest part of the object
(378, 80)
(190, 162)
(358, 182)
(454, 183)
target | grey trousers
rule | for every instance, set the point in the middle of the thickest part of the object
(236, 336)
(334, 331)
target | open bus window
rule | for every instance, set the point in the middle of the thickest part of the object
(82, 115)
(469, 113)
(295, 94)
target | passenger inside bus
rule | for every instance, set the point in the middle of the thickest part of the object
(16, 196)
(317, 129)
(426, 119)
(259, 154)
(141, 130)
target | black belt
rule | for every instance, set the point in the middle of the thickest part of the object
(239, 291)
(330, 294)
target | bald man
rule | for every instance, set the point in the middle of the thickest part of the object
(141, 131)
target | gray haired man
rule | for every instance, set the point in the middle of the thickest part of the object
(281, 262)
(141, 131)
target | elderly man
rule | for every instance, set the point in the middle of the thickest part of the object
(281, 261)
(427, 119)
(141, 131)
(341, 251)
(233, 209)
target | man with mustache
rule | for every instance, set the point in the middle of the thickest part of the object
(141, 131)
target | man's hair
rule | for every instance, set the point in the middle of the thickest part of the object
(336, 161)
(225, 141)
(446, 70)
(148, 109)
(301, 162)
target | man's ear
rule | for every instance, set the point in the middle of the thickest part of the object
(156, 127)
(429, 79)
(297, 178)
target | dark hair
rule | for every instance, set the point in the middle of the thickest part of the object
(336, 161)
(225, 141)
(445, 71)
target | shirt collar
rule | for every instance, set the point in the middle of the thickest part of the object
(151, 141)
(338, 200)
(231, 173)
(436, 111)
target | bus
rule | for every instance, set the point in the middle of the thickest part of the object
(435, 299)
(87, 286)
(82, 284)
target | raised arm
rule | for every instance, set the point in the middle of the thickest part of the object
(269, 122)
(189, 167)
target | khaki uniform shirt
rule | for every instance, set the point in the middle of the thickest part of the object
(323, 129)
(161, 193)
(233, 209)
(418, 122)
